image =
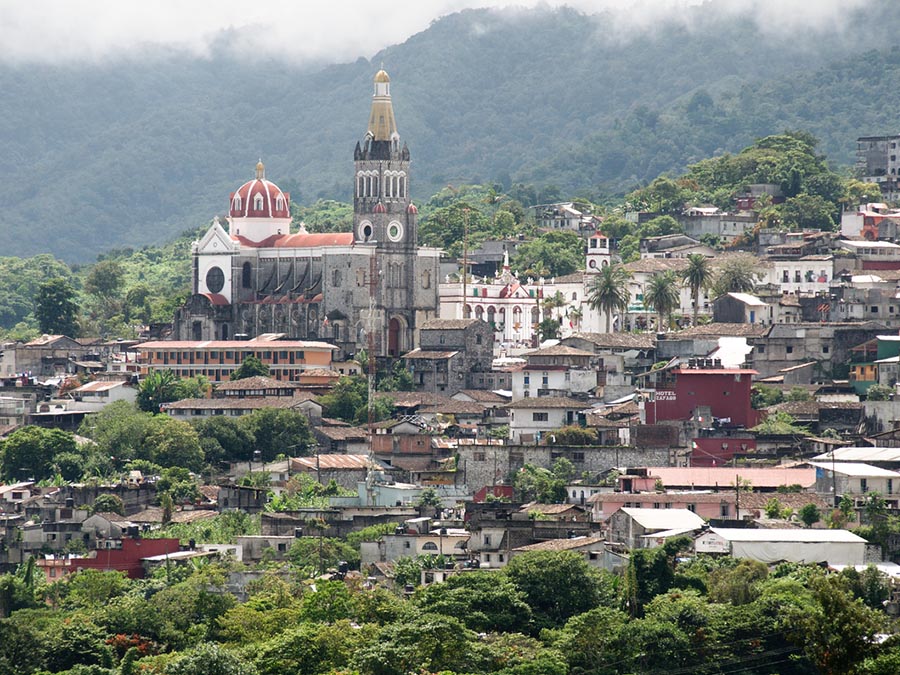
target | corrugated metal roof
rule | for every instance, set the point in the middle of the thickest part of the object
(858, 469)
(854, 454)
(562, 544)
(99, 386)
(665, 519)
(788, 535)
(331, 462)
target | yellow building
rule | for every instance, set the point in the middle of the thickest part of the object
(292, 361)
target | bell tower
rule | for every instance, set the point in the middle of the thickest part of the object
(382, 211)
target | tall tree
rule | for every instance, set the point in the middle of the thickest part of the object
(555, 301)
(158, 387)
(56, 309)
(608, 292)
(250, 367)
(30, 451)
(737, 274)
(662, 295)
(696, 276)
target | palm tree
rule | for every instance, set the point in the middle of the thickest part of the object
(575, 316)
(697, 275)
(737, 274)
(555, 301)
(662, 295)
(608, 291)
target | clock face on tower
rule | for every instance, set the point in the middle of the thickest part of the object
(395, 230)
(215, 279)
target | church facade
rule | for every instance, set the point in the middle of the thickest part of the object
(251, 275)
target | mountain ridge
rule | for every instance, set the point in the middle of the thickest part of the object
(133, 152)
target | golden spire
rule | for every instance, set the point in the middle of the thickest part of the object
(382, 126)
(260, 170)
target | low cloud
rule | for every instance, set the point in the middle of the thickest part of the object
(340, 30)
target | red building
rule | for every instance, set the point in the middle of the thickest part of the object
(685, 393)
(124, 556)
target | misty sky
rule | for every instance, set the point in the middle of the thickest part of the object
(304, 30)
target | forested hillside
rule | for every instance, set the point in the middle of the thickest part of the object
(135, 151)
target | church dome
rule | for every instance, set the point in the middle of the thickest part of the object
(260, 198)
(382, 76)
(412, 209)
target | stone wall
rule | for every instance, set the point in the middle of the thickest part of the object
(489, 465)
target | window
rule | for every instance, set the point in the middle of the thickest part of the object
(692, 508)
(258, 202)
(429, 546)
(863, 485)
(789, 350)
(487, 557)
(723, 509)
(282, 547)
(874, 309)
(237, 203)
(487, 540)
(527, 380)
(405, 544)
(577, 456)
(500, 557)
(279, 203)
(540, 417)
(825, 349)
(442, 339)
(479, 457)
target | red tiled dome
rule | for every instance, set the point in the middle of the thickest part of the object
(260, 198)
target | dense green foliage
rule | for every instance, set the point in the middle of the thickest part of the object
(526, 108)
(544, 614)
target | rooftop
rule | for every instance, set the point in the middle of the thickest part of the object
(255, 382)
(665, 519)
(788, 535)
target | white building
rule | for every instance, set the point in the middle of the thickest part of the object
(555, 371)
(530, 419)
(514, 308)
(96, 395)
(791, 545)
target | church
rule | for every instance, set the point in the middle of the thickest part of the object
(253, 276)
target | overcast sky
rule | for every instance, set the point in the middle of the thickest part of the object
(303, 30)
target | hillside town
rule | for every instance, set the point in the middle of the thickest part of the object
(731, 391)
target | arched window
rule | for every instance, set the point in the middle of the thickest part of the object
(279, 203)
(258, 202)
(429, 546)
(247, 275)
(360, 186)
(402, 186)
(336, 278)
(236, 204)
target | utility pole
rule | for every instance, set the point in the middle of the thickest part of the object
(370, 340)
(465, 271)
